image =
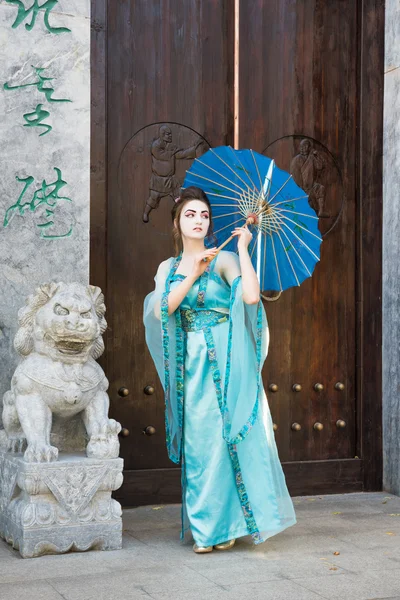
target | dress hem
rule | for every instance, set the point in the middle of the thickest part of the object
(243, 533)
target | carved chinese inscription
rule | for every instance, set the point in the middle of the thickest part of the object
(42, 84)
(32, 11)
(45, 196)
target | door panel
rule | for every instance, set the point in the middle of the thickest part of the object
(168, 75)
(301, 73)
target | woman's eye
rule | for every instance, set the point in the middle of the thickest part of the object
(86, 315)
(60, 310)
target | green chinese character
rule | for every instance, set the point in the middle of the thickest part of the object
(46, 195)
(43, 235)
(35, 118)
(40, 84)
(23, 13)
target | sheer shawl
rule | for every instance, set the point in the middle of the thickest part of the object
(163, 351)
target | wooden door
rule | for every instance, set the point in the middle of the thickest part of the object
(163, 93)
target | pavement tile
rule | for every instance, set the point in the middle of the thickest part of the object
(346, 523)
(34, 590)
(6, 552)
(132, 581)
(135, 555)
(304, 566)
(236, 573)
(260, 568)
(364, 561)
(384, 538)
(272, 590)
(167, 547)
(47, 567)
(390, 576)
(210, 593)
(383, 520)
(161, 537)
(152, 517)
(308, 544)
(351, 586)
(319, 506)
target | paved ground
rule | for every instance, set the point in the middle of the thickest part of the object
(344, 547)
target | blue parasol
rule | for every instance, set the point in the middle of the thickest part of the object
(244, 186)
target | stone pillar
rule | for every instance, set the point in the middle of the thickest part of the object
(391, 252)
(44, 154)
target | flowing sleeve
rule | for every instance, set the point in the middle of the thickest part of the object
(248, 341)
(161, 339)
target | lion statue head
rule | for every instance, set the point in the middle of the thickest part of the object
(62, 321)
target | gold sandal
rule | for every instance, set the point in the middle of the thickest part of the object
(225, 545)
(202, 549)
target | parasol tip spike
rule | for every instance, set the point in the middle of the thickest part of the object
(268, 179)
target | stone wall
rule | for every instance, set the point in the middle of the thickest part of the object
(44, 154)
(391, 252)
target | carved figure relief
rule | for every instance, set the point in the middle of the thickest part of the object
(315, 170)
(163, 182)
(152, 168)
(59, 337)
(306, 169)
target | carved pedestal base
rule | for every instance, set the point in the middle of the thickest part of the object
(50, 508)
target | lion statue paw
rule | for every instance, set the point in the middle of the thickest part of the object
(104, 442)
(39, 452)
(16, 444)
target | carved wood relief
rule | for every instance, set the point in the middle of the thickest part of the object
(315, 170)
(153, 165)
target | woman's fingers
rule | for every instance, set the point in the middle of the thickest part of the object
(240, 230)
(207, 254)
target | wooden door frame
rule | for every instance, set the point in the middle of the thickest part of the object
(364, 472)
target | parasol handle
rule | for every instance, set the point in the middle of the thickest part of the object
(251, 219)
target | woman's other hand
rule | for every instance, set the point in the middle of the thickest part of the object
(244, 237)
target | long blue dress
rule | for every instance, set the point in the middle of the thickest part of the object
(209, 356)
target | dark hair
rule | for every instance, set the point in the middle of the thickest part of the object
(188, 194)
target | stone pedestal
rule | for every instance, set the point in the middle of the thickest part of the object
(50, 508)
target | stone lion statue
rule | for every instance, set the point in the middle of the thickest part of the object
(60, 338)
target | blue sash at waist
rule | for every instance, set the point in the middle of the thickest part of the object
(196, 320)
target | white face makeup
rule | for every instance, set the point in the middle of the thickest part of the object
(195, 220)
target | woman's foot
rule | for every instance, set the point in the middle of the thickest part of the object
(225, 545)
(202, 549)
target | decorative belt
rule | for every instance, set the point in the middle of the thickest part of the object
(196, 320)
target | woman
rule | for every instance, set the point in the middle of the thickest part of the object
(207, 332)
